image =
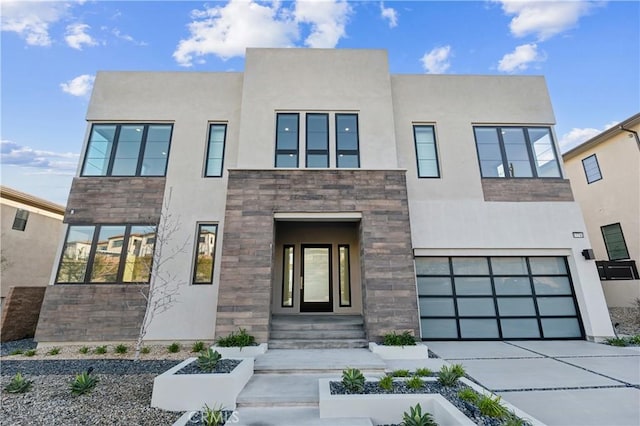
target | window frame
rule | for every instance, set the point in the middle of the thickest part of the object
(20, 223)
(586, 175)
(286, 247)
(339, 151)
(114, 148)
(199, 226)
(296, 152)
(308, 151)
(94, 248)
(531, 156)
(604, 239)
(224, 146)
(435, 151)
(341, 285)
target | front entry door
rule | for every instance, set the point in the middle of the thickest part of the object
(315, 282)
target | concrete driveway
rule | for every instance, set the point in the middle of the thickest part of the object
(562, 383)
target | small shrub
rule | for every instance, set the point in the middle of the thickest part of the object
(415, 383)
(458, 369)
(83, 350)
(18, 384)
(174, 347)
(400, 373)
(468, 394)
(212, 416)
(386, 383)
(635, 340)
(83, 383)
(17, 352)
(423, 372)
(30, 352)
(353, 380)
(415, 417)
(145, 350)
(208, 360)
(616, 341)
(53, 351)
(491, 407)
(100, 350)
(449, 375)
(513, 420)
(197, 347)
(393, 339)
(241, 339)
(121, 349)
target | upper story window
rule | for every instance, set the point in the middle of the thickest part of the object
(317, 140)
(20, 220)
(107, 254)
(127, 150)
(516, 152)
(347, 145)
(591, 169)
(426, 152)
(287, 140)
(614, 241)
(205, 253)
(215, 150)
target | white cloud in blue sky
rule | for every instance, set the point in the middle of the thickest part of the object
(79, 86)
(521, 58)
(437, 60)
(390, 14)
(77, 35)
(19, 155)
(31, 19)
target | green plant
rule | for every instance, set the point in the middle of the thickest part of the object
(53, 351)
(513, 420)
(635, 340)
(212, 416)
(100, 350)
(197, 347)
(491, 407)
(449, 375)
(83, 350)
(30, 352)
(83, 383)
(18, 384)
(174, 347)
(121, 349)
(400, 373)
(415, 383)
(241, 339)
(616, 341)
(458, 369)
(145, 350)
(468, 394)
(423, 372)
(386, 383)
(393, 339)
(208, 360)
(353, 380)
(17, 352)
(415, 417)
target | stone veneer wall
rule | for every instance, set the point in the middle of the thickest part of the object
(527, 190)
(20, 312)
(253, 196)
(91, 312)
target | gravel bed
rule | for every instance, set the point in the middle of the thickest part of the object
(627, 318)
(197, 418)
(7, 347)
(223, 366)
(56, 367)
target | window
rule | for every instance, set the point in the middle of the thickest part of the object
(287, 276)
(20, 220)
(345, 275)
(317, 140)
(215, 150)
(614, 241)
(347, 150)
(516, 152)
(287, 140)
(127, 150)
(426, 153)
(591, 169)
(107, 254)
(205, 254)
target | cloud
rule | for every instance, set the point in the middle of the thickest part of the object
(390, 14)
(544, 19)
(126, 37)
(31, 19)
(15, 154)
(576, 136)
(79, 86)
(520, 58)
(77, 36)
(226, 31)
(437, 61)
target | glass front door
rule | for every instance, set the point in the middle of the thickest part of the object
(315, 281)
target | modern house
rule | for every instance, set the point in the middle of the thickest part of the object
(605, 178)
(317, 184)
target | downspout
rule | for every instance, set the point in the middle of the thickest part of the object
(634, 134)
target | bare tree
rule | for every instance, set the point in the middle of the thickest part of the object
(164, 287)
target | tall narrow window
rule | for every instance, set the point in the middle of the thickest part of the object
(96, 162)
(20, 220)
(287, 276)
(287, 140)
(614, 241)
(205, 254)
(317, 140)
(215, 150)
(426, 152)
(345, 276)
(139, 255)
(106, 261)
(347, 149)
(75, 255)
(591, 169)
(515, 147)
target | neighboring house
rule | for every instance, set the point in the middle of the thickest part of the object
(431, 203)
(605, 178)
(31, 229)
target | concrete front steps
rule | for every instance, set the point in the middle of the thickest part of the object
(317, 332)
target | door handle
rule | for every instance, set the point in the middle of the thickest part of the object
(301, 283)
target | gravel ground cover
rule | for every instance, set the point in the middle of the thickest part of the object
(223, 366)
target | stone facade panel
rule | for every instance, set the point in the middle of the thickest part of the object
(527, 190)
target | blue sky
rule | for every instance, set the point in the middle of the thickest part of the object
(589, 53)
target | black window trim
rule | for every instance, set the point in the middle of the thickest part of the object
(224, 148)
(284, 251)
(435, 148)
(595, 158)
(340, 283)
(296, 152)
(339, 151)
(199, 226)
(141, 151)
(624, 241)
(308, 151)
